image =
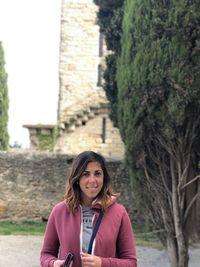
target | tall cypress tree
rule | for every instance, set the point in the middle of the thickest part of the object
(4, 138)
(158, 83)
(109, 18)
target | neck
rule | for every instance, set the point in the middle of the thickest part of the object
(87, 203)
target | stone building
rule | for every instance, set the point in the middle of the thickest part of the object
(83, 121)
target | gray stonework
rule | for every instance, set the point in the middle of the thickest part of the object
(79, 53)
(90, 136)
(31, 183)
(82, 104)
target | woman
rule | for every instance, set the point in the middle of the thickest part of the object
(71, 222)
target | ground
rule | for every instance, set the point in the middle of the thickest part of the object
(23, 251)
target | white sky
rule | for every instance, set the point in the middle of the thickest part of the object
(30, 33)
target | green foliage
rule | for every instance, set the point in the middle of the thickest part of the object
(110, 85)
(36, 229)
(4, 138)
(160, 47)
(47, 142)
(22, 228)
(110, 22)
(155, 96)
(158, 80)
(109, 19)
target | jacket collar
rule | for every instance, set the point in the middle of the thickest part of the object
(96, 204)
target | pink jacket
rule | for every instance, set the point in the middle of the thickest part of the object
(114, 241)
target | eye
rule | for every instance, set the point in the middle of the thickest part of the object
(98, 173)
(85, 174)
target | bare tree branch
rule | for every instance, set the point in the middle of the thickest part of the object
(189, 207)
(190, 182)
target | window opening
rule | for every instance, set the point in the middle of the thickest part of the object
(99, 78)
(104, 130)
(100, 44)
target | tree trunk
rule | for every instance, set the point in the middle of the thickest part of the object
(172, 251)
(178, 256)
(198, 210)
(183, 252)
(181, 237)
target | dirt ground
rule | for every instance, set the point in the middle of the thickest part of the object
(23, 251)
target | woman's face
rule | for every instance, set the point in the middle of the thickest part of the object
(91, 182)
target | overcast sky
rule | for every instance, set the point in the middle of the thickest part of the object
(30, 33)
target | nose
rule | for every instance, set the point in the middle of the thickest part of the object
(92, 178)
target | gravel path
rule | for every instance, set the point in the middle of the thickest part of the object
(23, 251)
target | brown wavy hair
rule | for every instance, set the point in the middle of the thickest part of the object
(72, 195)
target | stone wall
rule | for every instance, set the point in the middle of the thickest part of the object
(31, 183)
(91, 135)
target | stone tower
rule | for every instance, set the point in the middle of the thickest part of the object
(83, 121)
(83, 108)
(79, 53)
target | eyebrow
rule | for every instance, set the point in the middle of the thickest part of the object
(99, 170)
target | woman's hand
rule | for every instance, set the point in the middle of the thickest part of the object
(90, 260)
(58, 263)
